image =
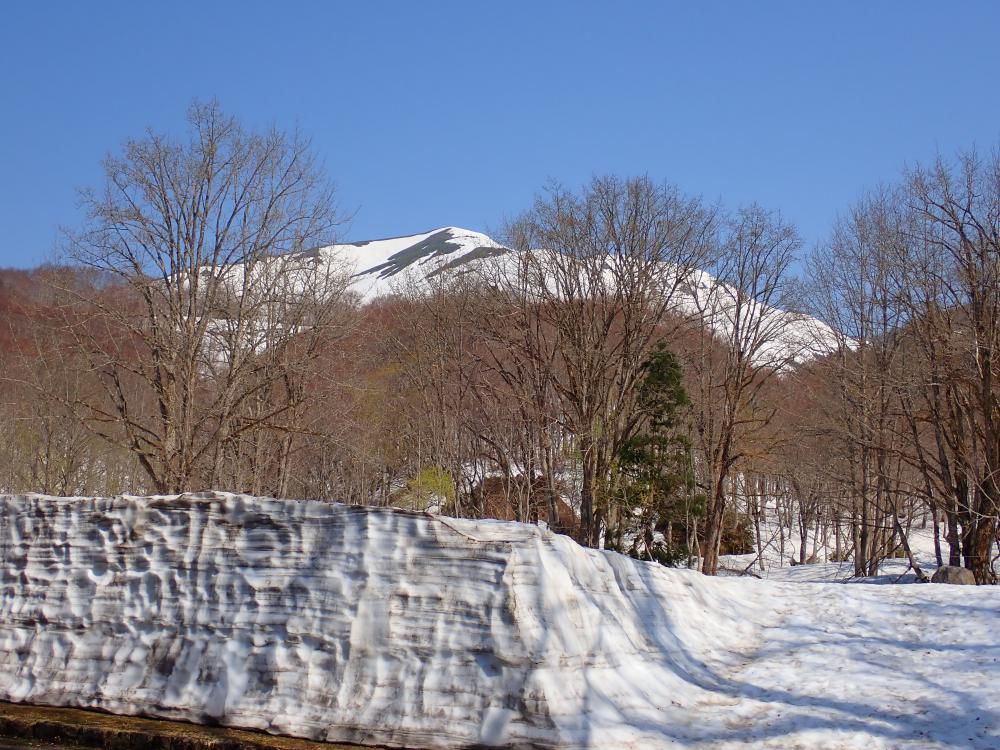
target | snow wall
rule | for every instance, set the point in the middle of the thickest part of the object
(350, 624)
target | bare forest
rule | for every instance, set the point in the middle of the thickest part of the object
(621, 373)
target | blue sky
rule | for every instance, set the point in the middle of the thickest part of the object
(434, 113)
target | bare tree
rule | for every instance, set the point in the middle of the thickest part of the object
(857, 280)
(201, 244)
(742, 343)
(592, 279)
(954, 303)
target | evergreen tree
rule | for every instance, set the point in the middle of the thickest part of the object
(653, 474)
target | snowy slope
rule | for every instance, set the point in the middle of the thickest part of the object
(790, 337)
(780, 545)
(382, 626)
(378, 268)
(380, 265)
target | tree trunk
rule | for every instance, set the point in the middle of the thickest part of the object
(713, 531)
(921, 576)
(982, 547)
(937, 535)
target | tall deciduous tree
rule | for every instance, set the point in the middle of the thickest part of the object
(740, 307)
(593, 278)
(196, 333)
(954, 303)
(857, 280)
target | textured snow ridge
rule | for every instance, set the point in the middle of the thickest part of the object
(388, 627)
(337, 623)
(329, 622)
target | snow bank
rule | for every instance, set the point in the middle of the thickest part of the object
(382, 626)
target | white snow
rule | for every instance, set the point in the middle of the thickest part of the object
(381, 266)
(779, 546)
(382, 626)
(786, 337)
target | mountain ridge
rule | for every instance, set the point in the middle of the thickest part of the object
(379, 265)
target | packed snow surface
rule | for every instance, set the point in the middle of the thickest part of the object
(383, 626)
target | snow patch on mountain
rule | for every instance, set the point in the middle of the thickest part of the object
(412, 263)
(380, 266)
(785, 337)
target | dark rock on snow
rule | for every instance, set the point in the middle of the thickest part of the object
(954, 574)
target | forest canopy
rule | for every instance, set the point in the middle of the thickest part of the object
(619, 374)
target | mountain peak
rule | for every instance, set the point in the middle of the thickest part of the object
(377, 262)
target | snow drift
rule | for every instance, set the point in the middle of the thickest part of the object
(338, 623)
(383, 626)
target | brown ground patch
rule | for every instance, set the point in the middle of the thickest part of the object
(47, 728)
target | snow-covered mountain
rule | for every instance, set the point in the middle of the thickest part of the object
(380, 266)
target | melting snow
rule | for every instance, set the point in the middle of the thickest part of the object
(382, 626)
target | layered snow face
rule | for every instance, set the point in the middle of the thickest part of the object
(340, 623)
(387, 627)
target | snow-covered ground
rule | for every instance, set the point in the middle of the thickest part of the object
(777, 556)
(381, 626)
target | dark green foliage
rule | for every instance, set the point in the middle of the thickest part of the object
(737, 534)
(653, 480)
(661, 392)
(670, 555)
